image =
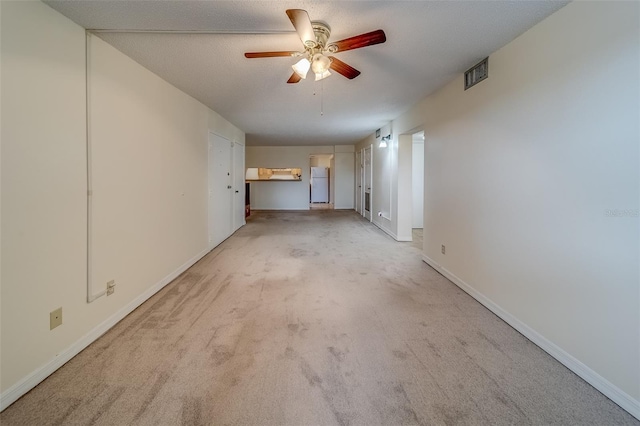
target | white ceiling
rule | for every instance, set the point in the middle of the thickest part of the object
(428, 44)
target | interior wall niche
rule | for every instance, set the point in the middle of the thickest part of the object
(266, 173)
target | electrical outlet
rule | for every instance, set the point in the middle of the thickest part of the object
(442, 249)
(55, 318)
(111, 287)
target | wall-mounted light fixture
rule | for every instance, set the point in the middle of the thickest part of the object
(384, 140)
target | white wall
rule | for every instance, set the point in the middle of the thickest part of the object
(149, 174)
(220, 126)
(321, 160)
(520, 173)
(391, 200)
(44, 217)
(332, 180)
(403, 206)
(344, 177)
(149, 163)
(417, 183)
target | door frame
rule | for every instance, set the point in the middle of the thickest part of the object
(367, 214)
(222, 193)
(358, 177)
(238, 183)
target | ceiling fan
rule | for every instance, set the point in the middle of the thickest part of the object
(314, 36)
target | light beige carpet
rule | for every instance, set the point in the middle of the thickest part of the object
(313, 318)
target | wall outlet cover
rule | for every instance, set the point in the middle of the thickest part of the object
(55, 318)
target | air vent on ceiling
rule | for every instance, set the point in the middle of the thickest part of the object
(476, 73)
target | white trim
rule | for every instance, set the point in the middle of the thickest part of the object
(611, 391)
(392, 234)
(12, 394)
(91, 294)
(231, 140)
(394, 147)
(258, 209)
(386, 231)
(364, 181)
(405, 238)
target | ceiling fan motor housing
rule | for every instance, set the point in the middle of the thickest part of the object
(322, 31)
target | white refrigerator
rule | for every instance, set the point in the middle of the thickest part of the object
(319, 185)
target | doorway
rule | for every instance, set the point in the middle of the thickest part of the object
(359, 173)
(367, 179)
(321, 181)
(417, 180)
(417, 187)
(239, 201)
(410, 184)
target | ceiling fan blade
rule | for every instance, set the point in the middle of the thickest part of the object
(340, 67)
(362, 40)
(294, 78)
(269, 54)
(301, 22)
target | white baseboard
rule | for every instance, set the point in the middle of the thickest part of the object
(385, 230)
(294, 209)
(611, 391)
(405, 238)
(379, 224)
(12, 394)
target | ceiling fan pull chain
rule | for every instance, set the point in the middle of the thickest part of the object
(321, 98)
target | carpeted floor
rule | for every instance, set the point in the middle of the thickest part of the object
(313, 318)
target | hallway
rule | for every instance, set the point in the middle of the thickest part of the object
(312, 318)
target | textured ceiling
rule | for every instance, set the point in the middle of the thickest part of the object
(428, 44)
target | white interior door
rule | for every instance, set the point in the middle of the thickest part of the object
(238, 186)
(220, 190)
(359, 182)
(367, 179)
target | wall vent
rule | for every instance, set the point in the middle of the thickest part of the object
(476, 73)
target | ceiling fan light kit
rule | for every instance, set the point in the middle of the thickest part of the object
(320, 63)
(314, 36)
(322, 75)
(301, 67)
